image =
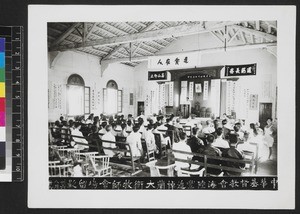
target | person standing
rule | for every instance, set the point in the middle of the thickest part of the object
(268, 135)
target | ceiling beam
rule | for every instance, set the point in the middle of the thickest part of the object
(216, 36)
(201, 51)
(129, 26)
(65, 34)
(243, 37)
(115, 50)
(91, 30)
(177, 31)
(233, 36)
(257, 33)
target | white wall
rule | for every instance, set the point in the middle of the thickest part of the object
(135, 80)
(88, 67)
(266, 67)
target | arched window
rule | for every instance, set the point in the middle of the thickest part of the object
(112, 98)
(78, 96)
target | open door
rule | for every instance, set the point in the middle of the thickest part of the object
(265, 112)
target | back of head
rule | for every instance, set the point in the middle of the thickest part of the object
(182, 135)
(104, 124)
(210, 138)
(113, 125)
(108, 128)
(236, 128)
(136, 128)
(219, 131)
(123, 126)
(129, 122)
(150, 126)
(233, 138)
(77, 125)
(194, 131)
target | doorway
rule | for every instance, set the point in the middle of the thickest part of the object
(265, 112)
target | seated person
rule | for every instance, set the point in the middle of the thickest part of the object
(194, 142)
(123, 132)
(102, 131)
(108, 136)
(234, 153)
(93, 139)
(212, 151)
(113, 129)
(164, 138)
(150, 139)
(246, 145)
(176, 123)
(134, 140)
(129, 126)
(219, 141)
(181, 145)
(77, 132)
(209, 128)
(237, 130)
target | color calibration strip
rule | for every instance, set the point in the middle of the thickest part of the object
(2, 105)
(14, 95)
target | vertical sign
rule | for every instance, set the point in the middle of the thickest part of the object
(183, 92)
(131, 99)
(205, 90)
(215, 96)
(2, 104)
(253, 102)
(171, 96)
(191, 90)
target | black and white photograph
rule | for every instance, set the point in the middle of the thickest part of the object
(170, 129)
(161, 104)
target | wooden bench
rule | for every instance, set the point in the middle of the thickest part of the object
(206, 162)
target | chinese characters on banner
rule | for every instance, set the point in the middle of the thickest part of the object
(191, 90)
(157, 75)
(205, 90)
(240, 70)
(171, 88)
(178, 61)
(183, 92)
(55, 92)
(166, 183)
(253, 101)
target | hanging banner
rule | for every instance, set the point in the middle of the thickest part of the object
(174, 61)
(191, 90)
(183, 92)
(253, 102)
(171, 88)
(240, 70)
(205, 90)
(198, 88)
(157, 75)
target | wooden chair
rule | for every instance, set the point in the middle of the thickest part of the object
(161, 147)
(155, 170)
(149, 154)
(102, 168)
(187, 173)
(60, 170)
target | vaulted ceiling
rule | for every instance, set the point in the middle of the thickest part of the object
(132, 41)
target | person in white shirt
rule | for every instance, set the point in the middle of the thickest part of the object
(134, 140)
(209, 127)
(78, 139)
(219, 141)
(182, 146)
(149, 138)
(108, 136)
